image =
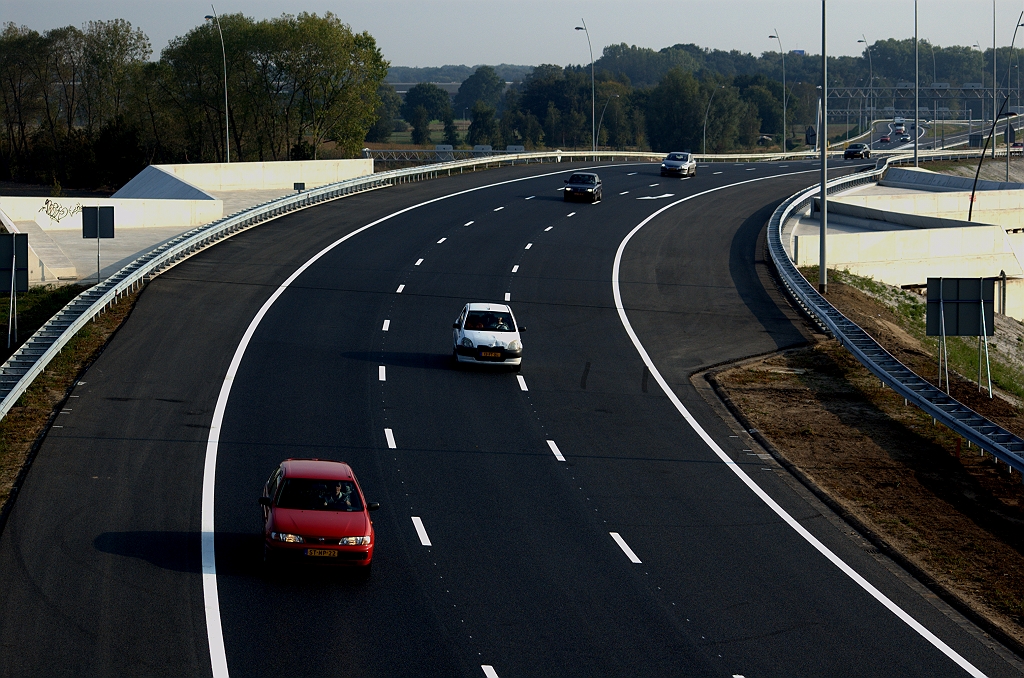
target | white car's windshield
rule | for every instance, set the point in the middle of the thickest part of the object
(489, 321)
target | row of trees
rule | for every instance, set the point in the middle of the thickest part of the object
(87, 107)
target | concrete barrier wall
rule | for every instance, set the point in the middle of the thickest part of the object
(238, 176)
(66, 213)
(912, 256)
(1004, 208)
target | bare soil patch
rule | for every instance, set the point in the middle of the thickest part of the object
(956, 515)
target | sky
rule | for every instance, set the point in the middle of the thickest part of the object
(531, 32)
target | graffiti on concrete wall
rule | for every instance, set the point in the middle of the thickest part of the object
(56, 211)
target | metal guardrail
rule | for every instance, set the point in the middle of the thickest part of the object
(959, 418)
(29, 361)
(435, 156)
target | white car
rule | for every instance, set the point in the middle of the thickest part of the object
(487, 334)
(679, 165)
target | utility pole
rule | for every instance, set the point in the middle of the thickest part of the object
(822, 261)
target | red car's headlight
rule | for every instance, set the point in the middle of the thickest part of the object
(285, 537)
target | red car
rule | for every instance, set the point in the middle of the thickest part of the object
(314, 511)
(885, 139)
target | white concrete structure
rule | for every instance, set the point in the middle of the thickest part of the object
(157, 204)
(914, 227)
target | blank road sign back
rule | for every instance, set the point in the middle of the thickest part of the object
(98, 220)
(14, 246)
(957, 303)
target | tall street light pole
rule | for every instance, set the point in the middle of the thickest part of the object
(993, 74)
(917, 86)
(822, 261)
(1009, 61)
(593, 103)
(713, 93)
(224, 57)
(871, 92)
(784, 95)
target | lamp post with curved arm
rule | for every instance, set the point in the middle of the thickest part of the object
(713, 93)
(598, 135)
(871, 93)
(784, 96)
(224, 57)
(593, 104)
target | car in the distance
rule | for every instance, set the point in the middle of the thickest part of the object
(314, 511)
(904, 138)
(679, 164)
(487, 334)
(885, 139)
(856, 151)
(583, 185)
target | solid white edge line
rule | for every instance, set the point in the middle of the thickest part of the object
(489, 671)
(211, 599)
(522, 383)
(555, 450)
(756, 489)
(389, 435)
(386, 326)
(421, 531)
(625, 547)
(382, 373)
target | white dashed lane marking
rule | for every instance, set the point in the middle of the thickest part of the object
(529, 245)
(508, 297)
(421, 531)
(625, 547)
(441, 240)
(498, 209)
(555, 451)
(522, 383)
(418, 262)
(548, 229)
(400, 288)
(570, 214)
(716, 172)
(631, 174)
(652, 185)
(387, 324)
(469, 223)
(515, 268)
(382, 373)
(390, 435)
(489, 671)
(531, 197)
(624, 193)
(751, 169)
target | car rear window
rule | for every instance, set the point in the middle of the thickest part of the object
(489, 321)
(306, 494)
(582, 179)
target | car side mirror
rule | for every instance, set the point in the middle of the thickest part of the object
(266, 501)
(372, 506)
(455, 326)
(522, 329)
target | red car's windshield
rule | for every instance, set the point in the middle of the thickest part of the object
(307, 494)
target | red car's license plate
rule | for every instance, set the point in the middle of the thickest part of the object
(322, 553)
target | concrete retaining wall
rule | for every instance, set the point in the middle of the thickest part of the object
(1004, 208)
(66, 213)
(912, 256)
(238, 176)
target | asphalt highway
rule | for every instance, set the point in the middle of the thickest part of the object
(641, 553)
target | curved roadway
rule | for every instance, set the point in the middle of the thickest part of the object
(100, 565)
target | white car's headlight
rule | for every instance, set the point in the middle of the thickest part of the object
(290, 538)
(664, 165)
(590, 190)
(515, 345)
(467, 342)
